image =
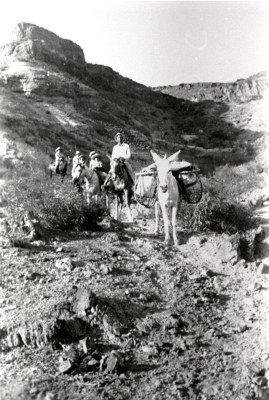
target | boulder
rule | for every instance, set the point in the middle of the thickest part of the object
(112, 363)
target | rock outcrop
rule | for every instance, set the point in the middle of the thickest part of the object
(30, 41)
(243, 90)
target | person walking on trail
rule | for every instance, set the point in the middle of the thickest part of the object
(122, 152)
(59, 156)
(75, 161)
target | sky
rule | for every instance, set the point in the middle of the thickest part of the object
(156, 42)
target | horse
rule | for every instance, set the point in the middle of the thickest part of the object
(167, 195)
(89, 182)
(122, 186)
(61, 170)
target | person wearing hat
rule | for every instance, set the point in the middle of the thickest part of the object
(122, 151)
(95, 160)
(75, 161)
(59, 156)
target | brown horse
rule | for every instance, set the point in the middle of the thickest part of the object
(122, 186)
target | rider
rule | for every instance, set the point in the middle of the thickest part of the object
(75, 161)
(59, 156)
(96, 165)
(122, 152)
(95, 160)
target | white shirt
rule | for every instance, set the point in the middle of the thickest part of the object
(95, 164)
(75, 160)
(121, 150)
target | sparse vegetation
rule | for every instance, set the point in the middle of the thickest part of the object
(56, 205)
(220, 209)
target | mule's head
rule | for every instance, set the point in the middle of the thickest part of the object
(163, 169)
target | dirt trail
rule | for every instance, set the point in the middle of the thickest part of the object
(194, 316)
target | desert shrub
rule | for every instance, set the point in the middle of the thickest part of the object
(219, 209)
(216, 214)
(56, 205)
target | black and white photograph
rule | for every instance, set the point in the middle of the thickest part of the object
(134, 200)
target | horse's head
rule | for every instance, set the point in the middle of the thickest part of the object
(78, 173)
(164, 170)
(116, 167)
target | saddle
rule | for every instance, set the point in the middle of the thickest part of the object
(124, 168)
(100, 178)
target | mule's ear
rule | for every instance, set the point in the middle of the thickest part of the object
(174, 157)
(165, 156)
(108, 156)
(155, 157)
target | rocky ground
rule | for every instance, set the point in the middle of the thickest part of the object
(114, 314)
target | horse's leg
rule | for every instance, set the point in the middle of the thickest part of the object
(166, 223)
(174, 222)
(157, 217)
(107, 201)
(126, 193)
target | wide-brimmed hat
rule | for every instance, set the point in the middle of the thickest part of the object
(118, 134)
(94, 154)
(77, 152)
(58, 149)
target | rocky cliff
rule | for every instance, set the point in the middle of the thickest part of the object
(243, 90)
(30, 41)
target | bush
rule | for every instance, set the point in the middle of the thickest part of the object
(220, 209)
(56, 205)
(216, 215)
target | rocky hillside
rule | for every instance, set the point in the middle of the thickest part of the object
(50, 96)
(241, 91)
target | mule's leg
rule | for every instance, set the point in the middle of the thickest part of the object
(117, 207)
(166, 222)
(157, 217)
(128, 205)
(174, 222)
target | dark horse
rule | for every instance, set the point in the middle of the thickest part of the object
(60, 170)
(122, 186)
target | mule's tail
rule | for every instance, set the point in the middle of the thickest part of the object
(131, 194)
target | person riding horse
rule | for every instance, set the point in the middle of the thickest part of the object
(80, 162)
(75, 161)
(95, 161)
(122, 152)
(59, 156)
(96, 165)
